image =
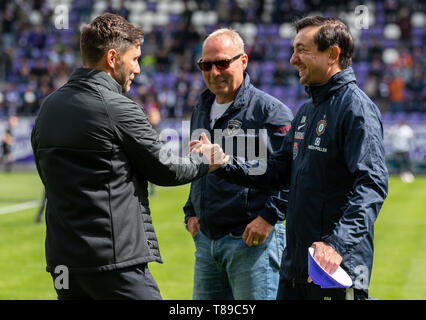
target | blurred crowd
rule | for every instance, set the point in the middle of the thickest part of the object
(36, 58)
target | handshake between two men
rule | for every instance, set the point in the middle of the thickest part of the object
(213, 152)
(256, 231)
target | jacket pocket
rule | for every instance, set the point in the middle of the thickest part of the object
(150, 236)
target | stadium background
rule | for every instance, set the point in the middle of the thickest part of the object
(39, 48)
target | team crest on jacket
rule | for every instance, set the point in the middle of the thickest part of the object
(233, 127)
(321, 127)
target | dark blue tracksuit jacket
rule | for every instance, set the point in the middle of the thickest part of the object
(334, 161)
(222, 207)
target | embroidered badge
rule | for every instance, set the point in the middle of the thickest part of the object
(233, 127)
(321, 127)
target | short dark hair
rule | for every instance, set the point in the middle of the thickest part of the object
(333, 32)
(108, 31)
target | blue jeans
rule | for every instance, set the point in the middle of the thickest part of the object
(228, 269)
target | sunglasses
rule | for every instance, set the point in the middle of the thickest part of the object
(220, 64)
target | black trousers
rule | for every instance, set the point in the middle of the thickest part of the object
(135, 283)
(403, 161)
(289, 290)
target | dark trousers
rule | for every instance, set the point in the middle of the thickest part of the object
(289, 290)
(403, 161)
(135, 283)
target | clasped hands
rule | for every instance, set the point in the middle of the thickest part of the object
(213, 152)
(258, 230)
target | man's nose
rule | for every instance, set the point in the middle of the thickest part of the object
(293, 59)
(137, 69)
(214, 70)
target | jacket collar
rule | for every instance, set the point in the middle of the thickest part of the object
(96, 76)
(207, 97)
(322, 92)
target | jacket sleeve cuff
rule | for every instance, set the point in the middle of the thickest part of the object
(336, 243)
(188, 210)
(269, 217)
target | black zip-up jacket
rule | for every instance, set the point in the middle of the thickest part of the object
(95, 150)
(333, 159)
(222, 207)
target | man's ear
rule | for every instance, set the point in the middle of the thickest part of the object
(334, 55)
(111, 58)
(244, 60)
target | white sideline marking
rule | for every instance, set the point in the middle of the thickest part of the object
(19, 207)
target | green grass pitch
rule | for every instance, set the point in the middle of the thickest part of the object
(399, 260)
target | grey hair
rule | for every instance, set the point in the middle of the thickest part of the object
(231, 33)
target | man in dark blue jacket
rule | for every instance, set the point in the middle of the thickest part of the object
(238, 232)
(333, 160)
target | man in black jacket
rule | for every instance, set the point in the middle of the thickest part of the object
(95, 152)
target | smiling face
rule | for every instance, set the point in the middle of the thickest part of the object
(127, 66)
(223, 83)
(315, 67)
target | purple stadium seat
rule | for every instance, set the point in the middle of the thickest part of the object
(380, 7)
(261, 31)
(21, 88)
(380, 20)
(159, 79)
(278, 92)
(170, 79)
(389, 43)
(151, 6)
(386, 116)
(291, 92)
(50, 41)
(73, 17)
(376, 31)
(417, 42)
(361, 67)
(400, 116)
(284, 43)
(268, 66)
(417, 32)
(283, 55)
(414, 117)
(273, 30)
(174, 19)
